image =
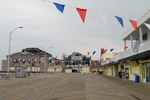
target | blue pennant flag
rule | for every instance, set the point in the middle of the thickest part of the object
(120, 20)
(21, 60)
(56, 57)
(111, 50)
(94, 52)
(60, 7)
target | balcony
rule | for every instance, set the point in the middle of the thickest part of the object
(132, 51)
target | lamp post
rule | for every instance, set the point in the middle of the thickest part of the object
(10, 47)
(45, 59)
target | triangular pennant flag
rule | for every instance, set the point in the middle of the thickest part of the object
(134, 24)
(37, 60)
(88, 54)
(56, 57)
(94, 52)
(60, 7)
(52, 58)
(125, 47)
(147, 25)
(104, 18)
(111, 50)
(120, 20)
(73, 55)
(105, 51)
(82, 13)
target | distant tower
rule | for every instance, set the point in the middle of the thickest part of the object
(102, 52)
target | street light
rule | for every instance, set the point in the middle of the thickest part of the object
(10, 46)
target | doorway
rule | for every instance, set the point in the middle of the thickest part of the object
(148, 72)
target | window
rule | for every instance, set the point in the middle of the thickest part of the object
(145, 36)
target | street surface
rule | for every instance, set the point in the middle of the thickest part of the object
(76, 86)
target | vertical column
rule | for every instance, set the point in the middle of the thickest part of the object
(131, 38)
(124, 43)
(141, 35)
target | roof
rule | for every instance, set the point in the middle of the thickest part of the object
(144, 19)
(30, 52)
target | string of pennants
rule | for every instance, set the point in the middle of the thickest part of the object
(38, 60)
(105, 51)
(82, 13)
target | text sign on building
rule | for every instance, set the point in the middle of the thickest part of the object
(76, 58)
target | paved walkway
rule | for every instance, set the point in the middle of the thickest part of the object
(75, 86)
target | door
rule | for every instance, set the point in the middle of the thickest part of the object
(148, 72)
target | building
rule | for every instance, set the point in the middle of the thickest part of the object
(77, 58)
(33, 58)
(134, 61)
(77, 62)
(105, 57)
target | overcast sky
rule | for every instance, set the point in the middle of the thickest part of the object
(44, 26)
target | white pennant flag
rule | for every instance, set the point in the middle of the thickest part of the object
(147, 25)
(104, 18)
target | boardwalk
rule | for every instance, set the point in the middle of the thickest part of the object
(72, 87)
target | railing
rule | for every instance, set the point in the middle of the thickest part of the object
(132, 51)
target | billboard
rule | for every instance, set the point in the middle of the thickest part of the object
(76, 58)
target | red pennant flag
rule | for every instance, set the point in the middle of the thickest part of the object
(82, 13)
(105, 51)
(73, 55)
(125, 47)
(88, 54)
(52, 58)
(37, 60)
(134, 24)
(26, 60)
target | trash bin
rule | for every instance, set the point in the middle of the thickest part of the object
(147, 78)
(28, 74)
(137, 78)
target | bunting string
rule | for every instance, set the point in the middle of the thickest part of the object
(82, 13)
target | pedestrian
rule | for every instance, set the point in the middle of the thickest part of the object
(120, 74)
